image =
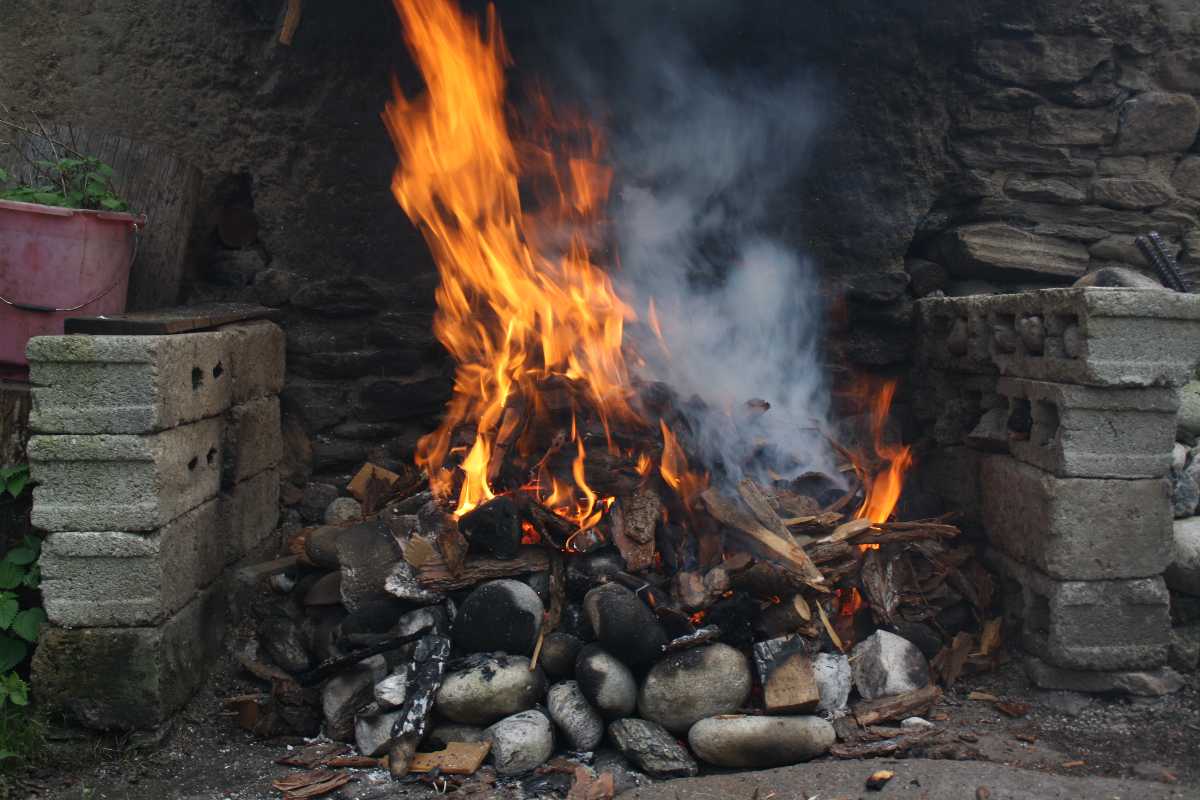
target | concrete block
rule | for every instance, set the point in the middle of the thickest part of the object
(951, 404)
(1088, 625)
(253, 439)
(128, 678)
(256, 358)
(1087, 336)
(104, 579)
(1140, 683)
(114, 482)
(249, 513)
(1082, 431)
(126, 384)
(1076, 528)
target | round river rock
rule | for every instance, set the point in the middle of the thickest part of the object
(502, 615)
(497, 687)
(624, 625)
(574, 716)
(605, 682)
(521, 742)
(686, 687)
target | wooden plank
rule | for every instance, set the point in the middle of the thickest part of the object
(459, 758)
(168, 320)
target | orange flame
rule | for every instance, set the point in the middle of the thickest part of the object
(513, 310)
(674, 469)
(884, 487)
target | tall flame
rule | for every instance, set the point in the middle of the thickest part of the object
(884, 487)
(512, 310)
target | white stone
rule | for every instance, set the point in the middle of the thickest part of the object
(521, 743)
(885, 664)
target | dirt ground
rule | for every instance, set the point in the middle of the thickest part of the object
(205, 756)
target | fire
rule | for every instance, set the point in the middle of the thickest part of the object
(884, 487)
(674, 469)
(521, 300)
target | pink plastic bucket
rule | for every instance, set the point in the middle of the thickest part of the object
(57, 263)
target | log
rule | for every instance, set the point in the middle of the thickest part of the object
(434, 575)
(790, 686)
(154, 182)
(760, 506)
(784, 618)
(787, 552)
(919, 701)
(425, 678)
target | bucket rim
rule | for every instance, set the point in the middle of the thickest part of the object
(60, 211)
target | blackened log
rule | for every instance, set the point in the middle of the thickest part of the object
(425, 678)
(435, 576)
(493, 528)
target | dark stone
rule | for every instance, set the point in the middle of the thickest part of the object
(274, 287)
(927, 640)
(493, 528)
(735, 617)
(877, 288)
(985, 152)
(1085, 127)
(575, 622)
(1185, 493)
(586, 572)
(624, 625)
(234, 267)
(347, 296)
(490, 689)
(284, 643)
(366, 552)
(1186, 177)
(500, 616)
(605, 682)
(574, 716)
(353, 363)
(376, 616)
(872, 348)
(319, 405)
(1009, 99)
(1060, 191)
(331, 453)
(559, 651)
(316, 498)
(1042, 59)
(368, 431)
(925, 276)
(954, 619)
(1129, 193)
(407, 330)
(999, 250)
(1158, 122)
(385, 399)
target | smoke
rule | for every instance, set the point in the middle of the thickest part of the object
(706, 162)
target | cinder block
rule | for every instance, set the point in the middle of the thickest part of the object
(1076, 528)
(249, 513)
(950, 404)
(1141, 683)
(1088, 625)
(126, 384)
(1088, 336)
(128, 678)
(256, 353)
(104, 579)
(253, 439)
(1087, 432)
(115, 482)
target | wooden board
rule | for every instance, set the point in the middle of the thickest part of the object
(459, 758)
(184, 319)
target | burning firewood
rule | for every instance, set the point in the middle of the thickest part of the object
(786, 551)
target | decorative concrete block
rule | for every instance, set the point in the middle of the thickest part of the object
(1088, 625)
(1076, 528)
(951, 404)
(114, 482)
(256, 358)
(128, 678)
(126, 384)
(1081, 431)
(101, 579)
(1086, 336)
(253, 439)
(249, 513)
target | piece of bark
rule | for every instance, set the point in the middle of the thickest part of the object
(425, 678)
(459, 758)
(918, 701)
(434, 575)
(312, 783)
(790, 686)
(367, 473)
(586, 787)
(633, 519)
(786, 551)
(951, 659)
(453, 547)
(877, 576)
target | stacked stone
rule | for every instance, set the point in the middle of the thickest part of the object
(156, 461)
(1055, 413)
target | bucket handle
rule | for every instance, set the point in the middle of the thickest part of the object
(137, 240)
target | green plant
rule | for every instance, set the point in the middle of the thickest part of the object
(81, 182)
(14, 480)
(20, 732)
(19, 626)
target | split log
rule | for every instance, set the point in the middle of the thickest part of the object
(760, 506)
(919, 701)
(786, 551)
(425, 678)
(786, 673)
(434, 575)
(785, 618)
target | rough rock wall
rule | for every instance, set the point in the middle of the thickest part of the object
(971, 146)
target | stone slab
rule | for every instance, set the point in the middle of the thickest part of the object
(257, 358)
(115, 482)
(1076, 528)
(1083, 431)
(1140, 683)
(126, 384)
(249, 514)
(253, 439)
(103, 579)
(128, 678)
(1088, 625)
(1085, 336)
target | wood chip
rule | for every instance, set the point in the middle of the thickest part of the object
(833, 637)
(1072, 764)
(459, 758)
(1013, 709)
(847, 530)
(989, 637)
(1028, 738)
(879, 778)
(984, 696)
(358, 486)
(589, 787)
(732, 515)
